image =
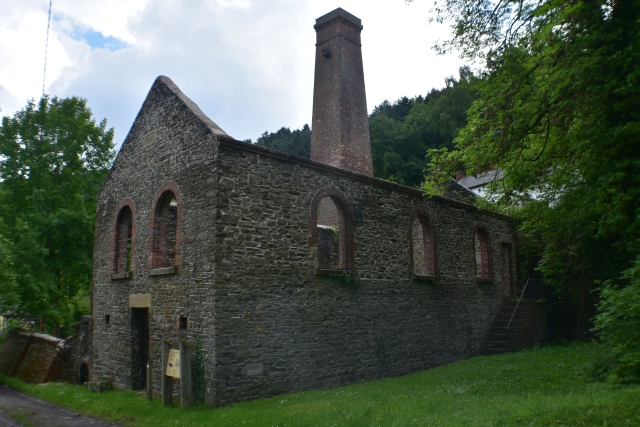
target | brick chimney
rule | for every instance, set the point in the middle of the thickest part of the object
(340, 122)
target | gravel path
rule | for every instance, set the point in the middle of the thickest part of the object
(18, 409)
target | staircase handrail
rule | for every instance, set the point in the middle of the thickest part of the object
(518, 303)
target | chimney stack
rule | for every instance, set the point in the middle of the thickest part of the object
(340, 123)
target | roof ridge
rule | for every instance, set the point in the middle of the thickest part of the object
(215, 129)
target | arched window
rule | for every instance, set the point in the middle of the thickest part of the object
(124, 231)
(422, 248)
(481, 252)
(332, 231)
(123, 243)
(165, 228)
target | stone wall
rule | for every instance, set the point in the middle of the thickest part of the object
(281, 327)
(77, 351)
(172, 146)
(38, 358)
(247, 275)
(13, 351)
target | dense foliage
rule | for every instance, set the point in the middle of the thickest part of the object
(402, 132)
(53, 160)
(296, 142)
(559, 113)
(618, 324)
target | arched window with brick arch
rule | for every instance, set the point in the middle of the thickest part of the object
(422, 244)
(481, 250)
(332, 231)
(123, 244)
(166, 223)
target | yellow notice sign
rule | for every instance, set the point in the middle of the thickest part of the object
(173, 364)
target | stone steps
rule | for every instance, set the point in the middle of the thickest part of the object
(500, 339)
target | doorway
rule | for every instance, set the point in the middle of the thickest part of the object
(139, 347)
(508, 288)
(83, 374)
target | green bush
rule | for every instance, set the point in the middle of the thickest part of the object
(618, 325)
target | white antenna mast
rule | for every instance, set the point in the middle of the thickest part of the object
(46, 47)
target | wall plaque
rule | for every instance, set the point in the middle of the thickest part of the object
(173, 364)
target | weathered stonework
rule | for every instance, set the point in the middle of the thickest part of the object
(281, 301)
(38, 358)
(248, 279)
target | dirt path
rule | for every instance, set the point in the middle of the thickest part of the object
(18, 409)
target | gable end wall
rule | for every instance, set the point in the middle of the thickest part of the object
(168, 142)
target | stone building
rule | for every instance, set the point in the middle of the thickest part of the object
(198, 234)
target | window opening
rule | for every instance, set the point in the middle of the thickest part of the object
(166, 224)
(107, 319)
(182, 323)
(423, 247)
(332, 236)
(124, 229)
(482, 253)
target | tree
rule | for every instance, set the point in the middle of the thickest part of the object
(559, 113)
(53, 160)
(297, 143)
(403, 132)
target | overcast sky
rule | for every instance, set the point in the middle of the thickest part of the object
(248, 64)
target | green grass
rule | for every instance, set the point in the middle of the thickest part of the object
(542, 387)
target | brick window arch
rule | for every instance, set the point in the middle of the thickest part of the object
(422, 244)
(123, 246)
(481, 252)
(332, 230)
(166, 228)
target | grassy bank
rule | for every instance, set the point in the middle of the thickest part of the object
(542, 387)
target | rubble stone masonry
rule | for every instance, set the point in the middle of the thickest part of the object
(248, 278)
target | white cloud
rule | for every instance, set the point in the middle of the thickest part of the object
(248, 64)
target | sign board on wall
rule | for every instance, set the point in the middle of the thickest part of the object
(173, 364)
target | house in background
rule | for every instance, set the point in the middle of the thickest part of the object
(477, 184)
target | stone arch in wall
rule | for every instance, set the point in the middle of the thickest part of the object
(422, 244)
(123, 246)
(481, 252)
(165, 228)
(332, 235)
(84, 373)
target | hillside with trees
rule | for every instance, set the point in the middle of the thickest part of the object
(401, 132)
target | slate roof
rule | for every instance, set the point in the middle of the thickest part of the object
(481, 180)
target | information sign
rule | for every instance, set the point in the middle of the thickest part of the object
(173, 364)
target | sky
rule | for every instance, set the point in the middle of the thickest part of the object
(248, 64)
